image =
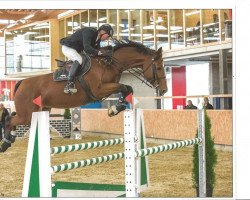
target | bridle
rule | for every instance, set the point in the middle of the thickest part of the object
(139, 73)
(156, 79)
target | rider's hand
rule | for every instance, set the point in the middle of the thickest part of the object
(107, 53)
(99, 53)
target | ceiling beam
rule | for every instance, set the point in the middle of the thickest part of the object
(11, 16)
(17, 15)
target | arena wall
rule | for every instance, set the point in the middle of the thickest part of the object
(163, 124)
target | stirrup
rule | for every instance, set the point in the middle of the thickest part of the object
(70, 88)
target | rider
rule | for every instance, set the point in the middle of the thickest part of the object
(86, 39)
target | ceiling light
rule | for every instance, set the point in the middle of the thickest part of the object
(29, 16)
(8, 33)
(10, 25)
(210, 24)
(40, 27)
(102, 19)
(4, 21)
(158, 27)
(129, 10)
(192, 13)
(31, 33)
(42, 36)
(23, 21)
(65, 13)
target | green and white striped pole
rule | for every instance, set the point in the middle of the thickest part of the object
(167, 147)
(87, 162)
(85, 146)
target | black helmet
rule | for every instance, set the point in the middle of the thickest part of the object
(107, 28)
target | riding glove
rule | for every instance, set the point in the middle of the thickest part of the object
(107, 53)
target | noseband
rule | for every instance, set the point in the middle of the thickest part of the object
(156, 79)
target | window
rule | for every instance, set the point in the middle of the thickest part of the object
(148, 29)
(135, 29)
(76, 22)
(102, 17)
(84, 19)
(69, 30)
(193, 27)
(112, 20)
(123, 25)
(161, 26)
(210, 26)
(93, 18)
(176, 29)
(28, 49)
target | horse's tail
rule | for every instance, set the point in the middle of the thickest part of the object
(16, 86)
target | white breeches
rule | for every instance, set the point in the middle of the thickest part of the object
(71, 54)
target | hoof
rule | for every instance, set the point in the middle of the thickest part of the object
(12, 138)
(4, 146)
(112, 111)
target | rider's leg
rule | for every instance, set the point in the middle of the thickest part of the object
(70, 87)
(73, 55)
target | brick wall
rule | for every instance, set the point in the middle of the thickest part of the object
(63, 126)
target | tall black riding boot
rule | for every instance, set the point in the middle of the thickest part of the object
(70, 87)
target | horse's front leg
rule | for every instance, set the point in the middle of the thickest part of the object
(8, 137)
(125, 90)
(10, 131)
(111, 88)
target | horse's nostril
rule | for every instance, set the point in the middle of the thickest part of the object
(163, 92)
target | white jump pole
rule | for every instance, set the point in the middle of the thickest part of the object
(132, 130)
(130, 146)
(37, 176)
(134, 137)
(202, 153)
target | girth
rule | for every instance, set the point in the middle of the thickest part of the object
(86, 88)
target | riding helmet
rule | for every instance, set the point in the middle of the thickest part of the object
(107, 28)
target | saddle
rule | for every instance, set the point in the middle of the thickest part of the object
(61, 74)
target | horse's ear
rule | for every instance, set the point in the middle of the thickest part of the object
(158, 53)
(159, 50)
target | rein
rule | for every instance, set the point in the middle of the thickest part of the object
(138, 72)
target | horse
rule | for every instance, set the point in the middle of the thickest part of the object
(101, 81)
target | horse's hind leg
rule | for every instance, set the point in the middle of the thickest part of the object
(21, 117)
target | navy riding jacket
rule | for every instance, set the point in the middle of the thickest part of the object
(83, 39)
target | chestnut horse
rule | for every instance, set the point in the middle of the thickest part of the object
(102, 81)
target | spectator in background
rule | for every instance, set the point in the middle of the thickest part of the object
(190, 105)
(206, 104)
(3, 114)
(19, 63)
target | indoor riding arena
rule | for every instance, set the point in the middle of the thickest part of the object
(177, 62)
(170, 173)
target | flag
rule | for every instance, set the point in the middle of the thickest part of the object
(38, 101)
(129, 98)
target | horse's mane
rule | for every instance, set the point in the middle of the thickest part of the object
(128, 43)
